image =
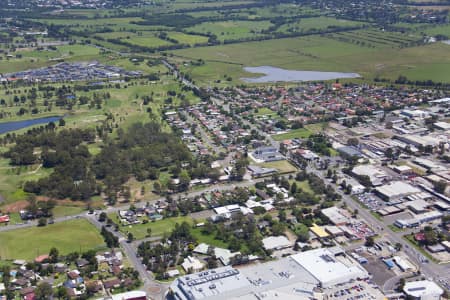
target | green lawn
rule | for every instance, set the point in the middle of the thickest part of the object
(304, 185)
(158, 228)
(283, 166)
(319, 23)
(263, 111)
(62, 211)
(69, 236)
(190, 39)
(231, 30)
(293, 134)
(208, 238)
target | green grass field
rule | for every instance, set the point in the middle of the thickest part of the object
(321, 54)
(70, 236)
(189, 39)
(293, 134)
(208, 238)
(264, 111)
(62, 211)
(231, 30)
(283, 166)
(158, 228)
(319, 23)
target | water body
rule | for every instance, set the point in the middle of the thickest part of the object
(446, 42)
(16, 125)
(273, 74)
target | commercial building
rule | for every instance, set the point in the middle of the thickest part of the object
(348, 151)
(423, 290)
(276, 243)
(319, 231)
(403, 264)
(418, 219)
(418, 206)
(376, 175)
(418, 140)
(330, 266)
(133, 295)
(267, 154)
(258, 171)
(336, 215)
(313, 274)
(192, 264)
(224, 255)
(396, 190)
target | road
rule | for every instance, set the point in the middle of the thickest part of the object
(429, 270)
(155, 290)
(204, 135)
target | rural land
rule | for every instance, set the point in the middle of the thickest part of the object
(225, 150)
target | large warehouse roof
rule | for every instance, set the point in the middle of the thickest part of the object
(328, 268)
(423, 289)
(397, 189)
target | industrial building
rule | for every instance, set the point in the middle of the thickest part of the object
(396, 190)
(133, 295)
(276, 243)
(423, 290)
(376, 175)
(336, 215)
(312, 274)
(267, 154)
(418, 219)
(330, 266)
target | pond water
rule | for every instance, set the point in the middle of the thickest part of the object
(446, 42)
(16, 125)
(273, 74)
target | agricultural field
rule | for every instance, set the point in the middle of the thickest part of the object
(438, 29)
(231, 30)
(189, 39)
(28, 243)
(31, 59)
(316, 24)
(323, 54)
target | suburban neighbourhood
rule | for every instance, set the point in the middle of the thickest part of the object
(141, 158)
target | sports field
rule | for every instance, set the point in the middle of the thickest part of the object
(70, 236)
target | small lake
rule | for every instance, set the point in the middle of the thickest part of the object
(16, 125)
(273, 74)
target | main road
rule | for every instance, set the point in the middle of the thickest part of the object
(430, 270)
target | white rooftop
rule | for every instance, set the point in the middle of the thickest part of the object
(424, 289)
(397, 188)
(329, 269)
(336, 215)
(276, 242)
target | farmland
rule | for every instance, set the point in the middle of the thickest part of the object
(231, 30)
(324, 54)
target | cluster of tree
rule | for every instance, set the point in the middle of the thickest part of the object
(110, 239)
(158, 258)
(319, 144)
(422, 83)
(140, 151)
(240, 234)
(63, 151)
